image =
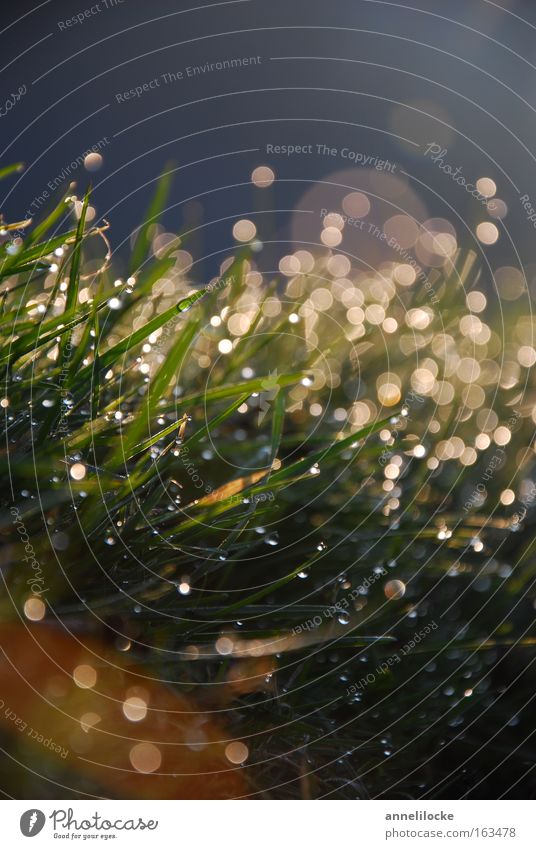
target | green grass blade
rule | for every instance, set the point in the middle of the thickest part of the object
(156, 207)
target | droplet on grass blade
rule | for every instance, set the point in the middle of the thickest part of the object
(394, 590)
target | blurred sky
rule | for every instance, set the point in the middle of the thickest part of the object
(362, 77)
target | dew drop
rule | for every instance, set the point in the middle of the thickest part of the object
(272, 539)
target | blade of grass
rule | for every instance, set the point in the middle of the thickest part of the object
(76, 257)
(156, 207)
(301, 466)
(173, 361)
(113, 354)
(16, 168)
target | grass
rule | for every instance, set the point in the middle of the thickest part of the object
(194, 516)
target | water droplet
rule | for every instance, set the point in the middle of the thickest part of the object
(60, 541)
(78, 471)
(344, 618)
(394, 589)
(271, 539)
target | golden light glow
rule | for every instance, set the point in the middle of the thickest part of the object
(262, 176)
(331, 237)
(85, 676)
(486, 186)
(526, 356)
(356, 205)
(244, 230)
(224, 645)
(145, 757)
(510, 282)
(482, 441)
(403, 229)
(34, 609)
(502, 436)
(476, 301)
(390, 325)
(507, 496)
(135, 709)
(236, 753)
(89, 720)
(339, 265)
(487, 233)
(333, 219)
(389, 394)
(78, 472)
(404, 274)
(289, 265)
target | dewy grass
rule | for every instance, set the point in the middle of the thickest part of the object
(110, 387)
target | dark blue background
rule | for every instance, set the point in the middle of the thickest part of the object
(73, 78)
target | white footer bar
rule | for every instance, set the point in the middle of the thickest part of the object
(269, 824)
